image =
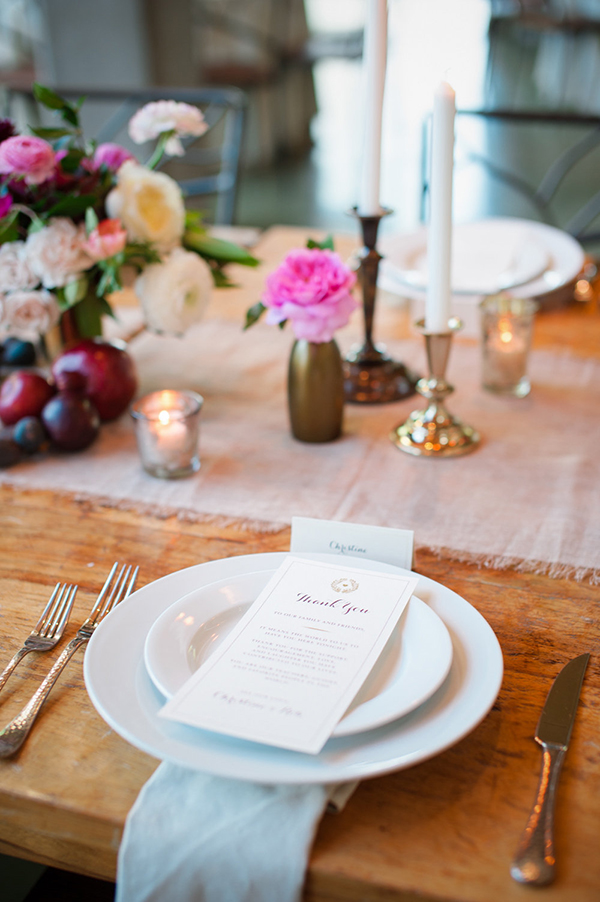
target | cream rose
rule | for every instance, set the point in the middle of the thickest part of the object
(149, 205)
(15, 272)
(55, 253)
(30, 312)
(174, 294)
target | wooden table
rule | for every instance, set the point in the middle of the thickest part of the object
(445, 829)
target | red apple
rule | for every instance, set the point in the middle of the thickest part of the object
(71, 421)
(23, 394)
(103, 371)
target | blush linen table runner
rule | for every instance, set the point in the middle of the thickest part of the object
(527, 497)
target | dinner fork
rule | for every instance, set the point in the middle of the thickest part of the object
(48, 630)
(15, 733)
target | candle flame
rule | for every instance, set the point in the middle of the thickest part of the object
(164, 417)
(506, 337)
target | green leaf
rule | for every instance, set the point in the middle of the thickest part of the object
(50, 134)
(88, 314)
(72, 206)
(8, 227)
(217, 249)
(48, 97)
(75, 291)
(220, 279)
(91, 220)
(193, 219)
(71, 161)
(254, 314)
(36, 225)
(70, 115)
(326, 245)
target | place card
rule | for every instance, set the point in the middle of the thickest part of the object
(374, 543)
(291, 667)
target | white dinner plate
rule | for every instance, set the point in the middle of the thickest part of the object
(527, 258)
(124, 695)
(413, 665)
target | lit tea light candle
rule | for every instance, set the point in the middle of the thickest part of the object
(167, 431)
(506, 340)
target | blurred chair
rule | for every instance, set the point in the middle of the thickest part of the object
(210, 167)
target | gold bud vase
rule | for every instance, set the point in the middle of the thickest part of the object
(316, 391)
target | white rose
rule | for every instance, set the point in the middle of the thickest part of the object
(55, 253)
(15, 271)
(30, 312)
(149, 204)
(174, 294)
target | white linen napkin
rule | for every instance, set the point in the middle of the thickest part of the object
(192, 837)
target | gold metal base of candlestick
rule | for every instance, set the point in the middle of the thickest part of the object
(434, 432)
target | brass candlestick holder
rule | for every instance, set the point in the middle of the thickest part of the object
(434, 432)
(370, 374)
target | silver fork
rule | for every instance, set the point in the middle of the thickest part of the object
(48, 630)
(15, 733)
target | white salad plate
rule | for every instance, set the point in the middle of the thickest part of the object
(524, 257)
(124, 695)
(413, 665)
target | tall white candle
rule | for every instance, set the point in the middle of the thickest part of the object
(439, 240)
(374, 59)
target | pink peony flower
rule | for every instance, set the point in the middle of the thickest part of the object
(106, 240)
(311, 288)
(167, 116)
(110, 155)
(5, 204)
(29, 157)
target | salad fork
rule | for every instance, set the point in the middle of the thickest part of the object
(15, 733)
(48, 630)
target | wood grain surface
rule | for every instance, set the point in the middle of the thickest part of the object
(443, 830)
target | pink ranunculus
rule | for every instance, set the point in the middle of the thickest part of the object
(106, 240)
(5, 204)
(28, 157)
(311, 288)
(110, 155)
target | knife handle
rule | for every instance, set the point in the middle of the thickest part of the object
(534, 859)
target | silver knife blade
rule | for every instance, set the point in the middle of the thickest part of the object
(558, 714)
(534, 861)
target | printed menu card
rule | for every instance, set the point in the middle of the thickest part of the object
(288, 671)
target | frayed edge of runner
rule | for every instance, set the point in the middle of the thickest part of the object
(510, 562)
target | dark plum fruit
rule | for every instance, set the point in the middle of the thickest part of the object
(29, 434)
(18, 353)
(72, 422)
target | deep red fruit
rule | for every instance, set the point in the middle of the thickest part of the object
(23, 394)
(102, 370)
(72, 422)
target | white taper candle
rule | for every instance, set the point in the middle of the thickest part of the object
(439, 239)
(374, 60)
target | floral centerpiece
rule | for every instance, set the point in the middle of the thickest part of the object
(312, 288)
(75, 215)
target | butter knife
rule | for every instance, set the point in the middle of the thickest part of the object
(534, 860)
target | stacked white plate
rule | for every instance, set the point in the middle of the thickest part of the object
(523, 257)
(437, 678)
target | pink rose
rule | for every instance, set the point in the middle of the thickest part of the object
(311, 288)
(29, 157)
(110, 155)
(106, 240)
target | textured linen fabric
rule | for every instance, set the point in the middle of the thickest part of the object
(192, 837)
(528, 496)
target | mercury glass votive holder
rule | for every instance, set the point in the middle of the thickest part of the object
(507, 325)
(167, 429)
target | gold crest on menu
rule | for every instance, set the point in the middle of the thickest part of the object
(344, 585)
